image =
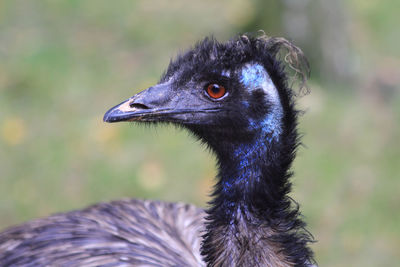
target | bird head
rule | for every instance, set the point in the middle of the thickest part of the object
(221, 91)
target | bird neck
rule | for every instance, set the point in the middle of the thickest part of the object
(251, 221)
(253, 180)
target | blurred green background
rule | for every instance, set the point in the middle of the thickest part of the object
(64, 63)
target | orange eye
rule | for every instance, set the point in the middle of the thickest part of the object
(215, 90)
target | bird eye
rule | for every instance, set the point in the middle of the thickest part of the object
(215, 91)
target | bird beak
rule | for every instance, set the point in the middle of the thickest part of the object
(144, 106)
(163, 103)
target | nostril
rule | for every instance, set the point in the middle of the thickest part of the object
(138, 106)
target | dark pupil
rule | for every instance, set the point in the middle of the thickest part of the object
(215, 89)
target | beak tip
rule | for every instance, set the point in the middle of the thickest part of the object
(112, 115)
(107, 117)
(115, 114)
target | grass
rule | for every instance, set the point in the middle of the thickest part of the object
(64, 63)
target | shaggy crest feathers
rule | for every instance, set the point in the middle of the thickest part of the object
(209, 56)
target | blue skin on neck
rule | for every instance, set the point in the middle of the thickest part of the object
(268, 129)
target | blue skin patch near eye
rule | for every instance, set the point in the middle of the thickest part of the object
(254, 76)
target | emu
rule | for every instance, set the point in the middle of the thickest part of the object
(235, 98)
